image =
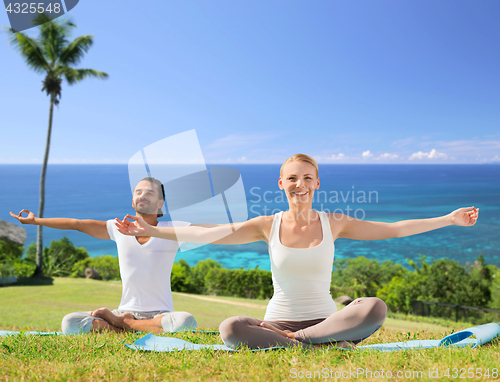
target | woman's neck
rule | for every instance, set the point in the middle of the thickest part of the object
(301, 214)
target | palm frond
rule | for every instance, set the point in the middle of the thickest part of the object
(74, 52)
(30, 50)
(73, 75)
(54, 37)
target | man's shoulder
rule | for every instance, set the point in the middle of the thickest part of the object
(110, 224)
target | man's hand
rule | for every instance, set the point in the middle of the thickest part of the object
(136, 228)
(465, 217)
(30, 219)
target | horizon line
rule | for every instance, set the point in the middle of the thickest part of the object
(260, 163)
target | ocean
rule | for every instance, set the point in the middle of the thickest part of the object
(386, 193)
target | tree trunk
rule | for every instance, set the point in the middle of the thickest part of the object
(39, 241)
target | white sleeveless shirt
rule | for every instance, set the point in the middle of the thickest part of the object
(301, 277)
(145, 269)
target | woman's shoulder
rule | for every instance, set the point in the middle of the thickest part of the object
(262, 222)
(334, 216)
(263, 219)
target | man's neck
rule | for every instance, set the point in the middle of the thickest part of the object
(150, 219)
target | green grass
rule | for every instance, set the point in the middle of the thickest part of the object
(103, 357)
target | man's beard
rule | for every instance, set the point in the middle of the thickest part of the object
(146, 208)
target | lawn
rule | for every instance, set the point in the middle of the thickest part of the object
(103, 357)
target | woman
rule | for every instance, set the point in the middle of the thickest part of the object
(301, 248)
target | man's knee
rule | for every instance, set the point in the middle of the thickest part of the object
(178, 321)
(77, 323)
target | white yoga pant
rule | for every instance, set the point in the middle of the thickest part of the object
(81, 322)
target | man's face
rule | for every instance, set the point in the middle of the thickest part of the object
(147, 198)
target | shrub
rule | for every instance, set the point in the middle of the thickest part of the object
(106, 265)
(23, 268)
(208, 277)
(440, 280)
(362, 277)
(12, 263)
(252, 283)
(10, 252)
(181, 279)
(59, 258)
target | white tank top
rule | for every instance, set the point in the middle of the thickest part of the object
(301, 277)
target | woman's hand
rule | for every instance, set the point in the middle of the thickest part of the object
(465, 217)
(30, 219)
(136, 228)
(274, 329)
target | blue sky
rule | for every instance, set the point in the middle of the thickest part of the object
(391, 81)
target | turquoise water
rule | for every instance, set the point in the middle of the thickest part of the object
(372, 192)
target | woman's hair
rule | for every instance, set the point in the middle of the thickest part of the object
(300, 158)
(155, 181)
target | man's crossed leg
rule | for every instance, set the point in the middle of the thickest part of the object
(118, 321)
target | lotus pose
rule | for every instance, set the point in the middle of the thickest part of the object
(301, 248)
(145, 267)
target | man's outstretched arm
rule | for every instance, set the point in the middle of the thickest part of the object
(95, 228)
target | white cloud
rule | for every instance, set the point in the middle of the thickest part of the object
(388, 156)
(367, 154)
(336, 157)
(496, 158)
(433, 154)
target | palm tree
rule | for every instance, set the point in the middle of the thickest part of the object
(54, 56)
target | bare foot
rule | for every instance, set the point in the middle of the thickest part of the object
(287, 334)
(118, 320)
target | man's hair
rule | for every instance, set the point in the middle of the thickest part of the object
(155, 181)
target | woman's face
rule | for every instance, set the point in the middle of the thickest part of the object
(299, 181)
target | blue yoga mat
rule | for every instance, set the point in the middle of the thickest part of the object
(5, 333)
(483, 334)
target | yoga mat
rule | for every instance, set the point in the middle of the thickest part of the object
(5, 333)
(150, 342)
(483, 334)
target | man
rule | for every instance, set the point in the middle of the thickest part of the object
(145, 267)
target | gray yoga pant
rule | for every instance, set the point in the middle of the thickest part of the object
(81, 322)
(357, 321)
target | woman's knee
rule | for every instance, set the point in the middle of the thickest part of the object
(374, 307)
(378, 309)
(229, 326)
(233, 329)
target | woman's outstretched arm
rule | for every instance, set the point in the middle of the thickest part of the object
(224, 234)
(355, 229)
